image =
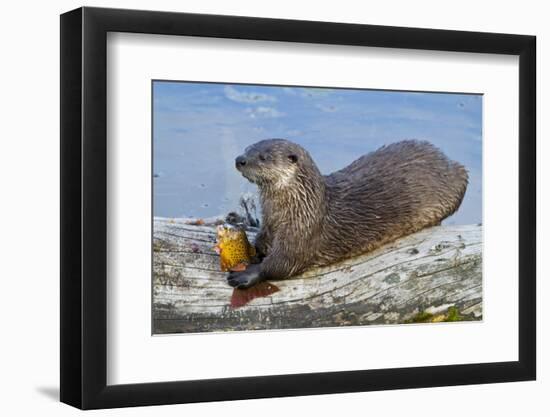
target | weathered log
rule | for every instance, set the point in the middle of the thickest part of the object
(433, 275)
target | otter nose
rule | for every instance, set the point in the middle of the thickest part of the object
(240, 161)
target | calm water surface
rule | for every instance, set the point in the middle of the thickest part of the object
(200, 128)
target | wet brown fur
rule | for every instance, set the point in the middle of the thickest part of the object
(311, 220)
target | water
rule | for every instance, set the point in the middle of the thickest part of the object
(200, 128)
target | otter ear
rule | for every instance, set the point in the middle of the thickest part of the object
(293, 158)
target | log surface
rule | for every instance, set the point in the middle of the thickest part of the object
(422, 277)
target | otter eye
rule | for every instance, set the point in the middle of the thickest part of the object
(262, 157)
(293, 158)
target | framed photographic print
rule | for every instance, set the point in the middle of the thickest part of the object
(259, 207)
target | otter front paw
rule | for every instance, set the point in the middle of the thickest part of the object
(246, 278)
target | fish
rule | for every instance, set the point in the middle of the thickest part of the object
(235, 250)
(240, 298)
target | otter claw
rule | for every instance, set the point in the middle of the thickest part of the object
(244, 279)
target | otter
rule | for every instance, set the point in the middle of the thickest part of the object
(309, 219)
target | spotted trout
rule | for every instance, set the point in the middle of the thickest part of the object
(234, 248)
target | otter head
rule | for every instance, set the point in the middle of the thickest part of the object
(273, 163)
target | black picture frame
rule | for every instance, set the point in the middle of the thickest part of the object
(84, 207)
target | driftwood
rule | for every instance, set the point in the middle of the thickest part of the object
(433, 275)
